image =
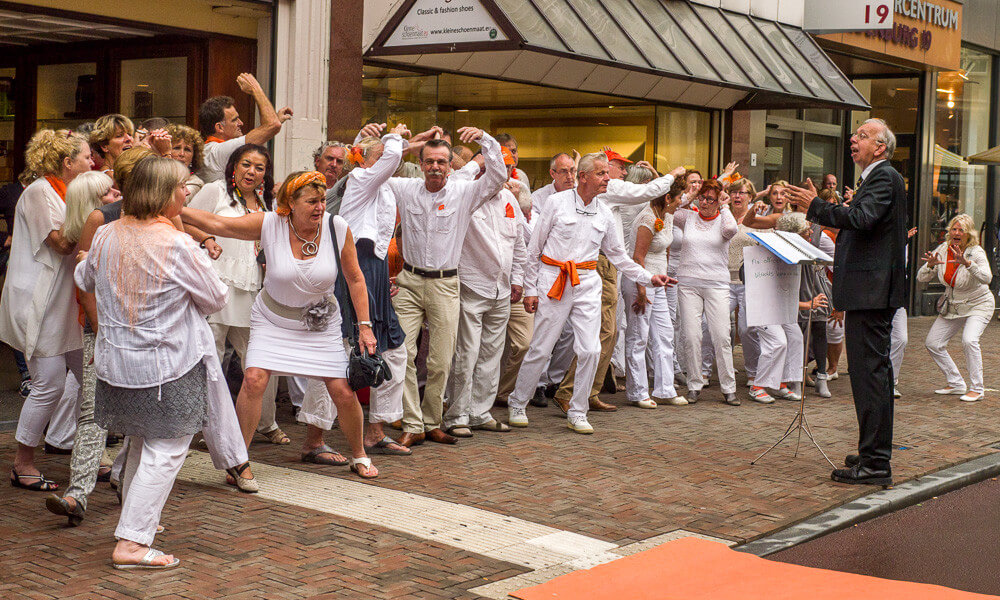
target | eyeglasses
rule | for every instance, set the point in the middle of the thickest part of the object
(565, 171)
(740, 193)
(864, 136)
(708, 199)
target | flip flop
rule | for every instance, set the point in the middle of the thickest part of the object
(313, 456)
(146, 563)
(364, 462)
(42, 485)
(384, 446)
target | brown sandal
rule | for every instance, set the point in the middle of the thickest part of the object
(276, 436)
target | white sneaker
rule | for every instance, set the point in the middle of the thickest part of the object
(972, 397)
(676, 401)
(786, 393)
(517, 417)
(579, 425)
(647, 403)
(951, 391)
(760, 395)
(749, 383)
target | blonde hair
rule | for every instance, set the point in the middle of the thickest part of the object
(367, 145)
(83, 196)
(740, 184)
(126, 163)
(48, 149)
(108, 127)
(150, 186)
(970, 229)
(191, 136)
(284, 203)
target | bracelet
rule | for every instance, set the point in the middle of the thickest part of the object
(202, 244)
(368, 323)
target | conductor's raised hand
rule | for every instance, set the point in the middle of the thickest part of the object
(530, 304)
(802, 196)
(470, 134)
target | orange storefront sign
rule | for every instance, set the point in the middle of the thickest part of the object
(926, 34)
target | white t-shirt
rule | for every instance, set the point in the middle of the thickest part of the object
(216, 156)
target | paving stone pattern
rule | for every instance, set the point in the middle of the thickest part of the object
(643, 474)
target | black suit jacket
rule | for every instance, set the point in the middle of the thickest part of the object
(869, 267)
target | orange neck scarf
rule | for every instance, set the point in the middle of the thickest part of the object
(712, 218)
(951, 267)
(215, 139)
(58, 185)
(567, 270)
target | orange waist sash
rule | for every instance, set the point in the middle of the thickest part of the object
(567, 270)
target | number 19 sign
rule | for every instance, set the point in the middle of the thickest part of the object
(836, 16)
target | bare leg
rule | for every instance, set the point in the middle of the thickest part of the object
(129, 552)
(374, 434)
(833, 352)
(248, 403)
(24, 465)
(350, 414)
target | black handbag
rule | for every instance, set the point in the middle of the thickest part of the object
(363, 369)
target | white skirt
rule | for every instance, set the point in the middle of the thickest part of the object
(287, 347)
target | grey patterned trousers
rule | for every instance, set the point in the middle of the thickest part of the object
(88, 447)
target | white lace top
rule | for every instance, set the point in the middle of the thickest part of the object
(656, 255)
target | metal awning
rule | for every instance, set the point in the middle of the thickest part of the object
(986, 157)
(654, 50)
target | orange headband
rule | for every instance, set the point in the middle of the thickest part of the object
(356, 155)
(298, 183)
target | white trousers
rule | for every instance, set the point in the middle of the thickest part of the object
(385, 403)
(653, 324)
(619, 360)
(475, 370)
(222, 433)
(580, 307)
(296, 389)
(693, 303)
(150, 471)
(560, 360)
(62, 425)
(937, 344)
(900, 337)
(781, 348)
(46, 403)
(239, 337)
(748, 335)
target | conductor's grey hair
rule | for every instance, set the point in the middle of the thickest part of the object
(885, 136)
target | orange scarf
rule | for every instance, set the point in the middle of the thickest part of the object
(704, 218)
(58, 185)
(567, 270)
(951, 267)
(215, 139)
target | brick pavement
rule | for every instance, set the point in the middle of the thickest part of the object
(644, 473)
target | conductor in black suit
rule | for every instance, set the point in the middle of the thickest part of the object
(869, 283)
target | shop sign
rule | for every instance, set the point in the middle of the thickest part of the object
(823, 16)
(445, 22)
(925, 33)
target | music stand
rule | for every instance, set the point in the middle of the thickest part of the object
(793, 250)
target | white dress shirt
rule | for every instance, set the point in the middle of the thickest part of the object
(215, 157)
(626, 200)
(369, 206)
(434, 223)
(538, 198)
(569, 230)
(494, 251)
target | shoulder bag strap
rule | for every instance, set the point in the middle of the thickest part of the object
(342, 283)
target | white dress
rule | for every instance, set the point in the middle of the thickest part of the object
(286, 346)
(38, 308)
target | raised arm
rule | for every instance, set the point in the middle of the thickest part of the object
(246, 227)
(869, 206)
(270, 120)
(491, 182)
(371, 178)
(753, 219)
(729, 226)
(626, 193)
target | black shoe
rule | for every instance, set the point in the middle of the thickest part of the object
(539, 398)
(50, 449)
(852, 459)
(113, 439)
(863, 476)
(550, 390)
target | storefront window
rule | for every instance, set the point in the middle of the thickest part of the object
(962, 119)
(154, 87)
(7, 125)
(682, 138)
(819, 156)
(67, 95)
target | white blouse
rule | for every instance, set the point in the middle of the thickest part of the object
(237, 266)
(656, 254)
(369, 206)
(38, 308)
(154, 287)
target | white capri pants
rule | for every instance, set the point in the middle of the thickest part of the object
(900, 337)
(937, 344)
(654, 325)
(385, 403)
(713, 304)
(781, 348)
(151, 468)
(47, 402)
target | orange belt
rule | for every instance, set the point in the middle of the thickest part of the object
(567, 270)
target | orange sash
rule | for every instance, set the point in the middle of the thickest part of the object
(58, 185)
(567, 270)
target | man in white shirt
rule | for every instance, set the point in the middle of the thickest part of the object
(561, 283)
(330, 159)
(619, 193)
(521, 323)
(223, 130)
(562, 169)
(435, 214)
(490, 273)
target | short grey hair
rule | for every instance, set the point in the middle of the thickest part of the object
(886, 136)
(638, 174)
(329, 144)
(793, 222)
(587, 162)
(552, 161)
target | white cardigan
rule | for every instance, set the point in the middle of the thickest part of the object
(971, 295)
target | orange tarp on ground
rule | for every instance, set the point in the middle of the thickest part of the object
(696, 569)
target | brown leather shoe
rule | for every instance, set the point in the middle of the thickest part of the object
(411, 439)
(563, 405)
(440, 437)
(397, 425)
(599, 406)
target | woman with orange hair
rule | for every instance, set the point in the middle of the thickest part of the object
(295, 320)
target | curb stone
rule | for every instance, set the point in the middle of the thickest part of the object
(877, 504)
